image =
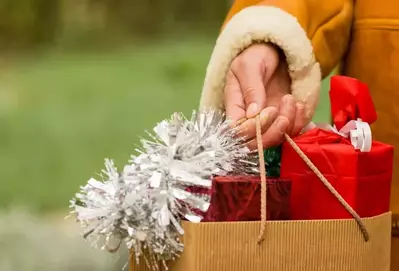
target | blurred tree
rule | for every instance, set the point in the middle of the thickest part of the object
(152, 16)
(16, 19)
(47, 20)
(25, 23)
(83, 23)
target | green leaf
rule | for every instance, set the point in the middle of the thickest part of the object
(272, 161)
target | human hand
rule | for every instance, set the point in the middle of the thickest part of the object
(258, 83)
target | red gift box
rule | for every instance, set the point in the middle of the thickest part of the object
(237, 198)
(363, 179)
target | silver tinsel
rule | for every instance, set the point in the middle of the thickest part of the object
(143, 205)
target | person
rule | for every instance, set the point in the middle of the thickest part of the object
(272, 54)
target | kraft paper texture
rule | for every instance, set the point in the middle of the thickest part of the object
(313, 245)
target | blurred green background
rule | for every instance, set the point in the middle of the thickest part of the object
(80, 80)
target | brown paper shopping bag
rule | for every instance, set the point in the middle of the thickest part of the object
(312, 245)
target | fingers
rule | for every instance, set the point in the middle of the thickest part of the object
(274, 135)
(233, 98)
(253, 69)
(244, 93)
(300, 120)
(250, 77)
(272, 63)
(284, 123)
(287, 109)
(248, 128)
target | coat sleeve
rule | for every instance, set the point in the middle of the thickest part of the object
(313, 35)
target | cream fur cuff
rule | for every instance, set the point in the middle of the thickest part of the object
(264, 24)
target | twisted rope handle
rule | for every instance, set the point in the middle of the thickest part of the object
(315, 170)
(263, 192)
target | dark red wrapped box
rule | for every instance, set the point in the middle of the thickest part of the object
(237, 198)
(362, 177)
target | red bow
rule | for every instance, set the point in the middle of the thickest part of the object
(350, 100)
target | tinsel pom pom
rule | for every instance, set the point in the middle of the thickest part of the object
(143, 205)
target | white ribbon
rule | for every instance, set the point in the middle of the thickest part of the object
(357, 131)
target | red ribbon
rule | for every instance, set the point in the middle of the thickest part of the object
(350, 100)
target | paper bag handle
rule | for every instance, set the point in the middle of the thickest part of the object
(262, 169)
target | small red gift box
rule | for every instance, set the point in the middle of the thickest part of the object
(363, 178)
(237, 198)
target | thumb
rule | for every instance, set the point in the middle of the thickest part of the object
(252, 87)
(253, 70)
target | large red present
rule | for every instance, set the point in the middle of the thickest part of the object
(358, 168)
(237, 198)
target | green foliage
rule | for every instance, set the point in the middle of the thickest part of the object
(151, 16)
(27, 22)
(272, 161)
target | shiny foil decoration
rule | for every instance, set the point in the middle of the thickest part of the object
(142, 206)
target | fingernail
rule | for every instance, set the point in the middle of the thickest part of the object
(252, 110)
(264, 115)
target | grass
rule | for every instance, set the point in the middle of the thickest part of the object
(61, 113)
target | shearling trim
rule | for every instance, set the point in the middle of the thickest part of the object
(264, 24)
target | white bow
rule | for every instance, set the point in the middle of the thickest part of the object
(357, 131)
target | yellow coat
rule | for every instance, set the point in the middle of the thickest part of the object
(316, 36)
